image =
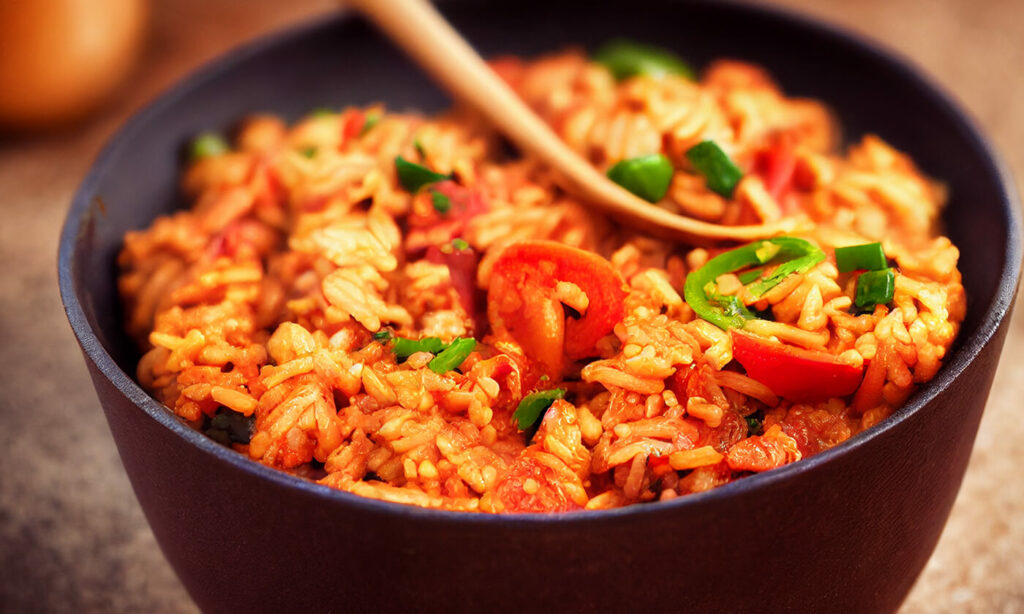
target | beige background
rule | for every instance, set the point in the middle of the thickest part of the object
(72, 537)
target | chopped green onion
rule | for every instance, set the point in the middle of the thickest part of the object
(866, 257)
(404, 348)
(533, 406)
(754, 425)
(322, 112)
(309, 152)
(726, 312)
(418, 144)
(626, 58)
(646, 176)
(208, 144)
(459, 244)
(413, 176)
(442, 204)
(382, 335)
(720, 172)
(875, 288)
(453, 355)
(372, 119)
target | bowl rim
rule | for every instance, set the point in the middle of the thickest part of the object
(967, 351)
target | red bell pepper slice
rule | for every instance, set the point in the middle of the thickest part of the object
(521, 301)
(794, 373)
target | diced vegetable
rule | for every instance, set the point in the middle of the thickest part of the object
(382, 335)
(754, 425)
(208, 144)
(533, 406)
(626, 58)
(372, 119)
(459, 244)
(719, 171)
(522, 301)
(322, 112)
(646, 176)
(866, 257)
(352, 125)
(875, 288)
(794, 373)
(452, 356)
(725, 312)
(308, 152)
(413, 176)
(442, 204)
(404, 348)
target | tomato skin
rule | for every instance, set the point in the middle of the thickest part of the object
(351, 125)
(530, 271)
(794, 373)
(776, 165)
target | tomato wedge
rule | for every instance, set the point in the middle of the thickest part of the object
(522, 301)
(794, 373)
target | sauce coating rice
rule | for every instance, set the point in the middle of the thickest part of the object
(390, 305)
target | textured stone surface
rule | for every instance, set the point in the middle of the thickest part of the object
(72, 537)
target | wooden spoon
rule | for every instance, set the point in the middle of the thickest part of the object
(425, 35)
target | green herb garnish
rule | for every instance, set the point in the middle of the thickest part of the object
(533, 406)
(372, 119)
(459, 244)
(404, 348)
(442, 204)
(413, 176)
(208, 144)
(453, 355)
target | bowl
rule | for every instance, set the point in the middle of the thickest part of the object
(846, 530)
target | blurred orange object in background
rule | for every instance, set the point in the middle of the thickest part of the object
(62, 58)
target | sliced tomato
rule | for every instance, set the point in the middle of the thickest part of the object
(351, 125)
(522, 303)
(776, 165)
(794, 373)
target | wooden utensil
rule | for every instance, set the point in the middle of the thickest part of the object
(416, 27)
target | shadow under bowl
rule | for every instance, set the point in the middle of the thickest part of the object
(847, 530)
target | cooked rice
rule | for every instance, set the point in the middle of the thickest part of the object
(257, 306)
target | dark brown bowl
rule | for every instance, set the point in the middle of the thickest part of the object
(847, 530)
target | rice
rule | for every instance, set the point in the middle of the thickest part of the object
(267, 311)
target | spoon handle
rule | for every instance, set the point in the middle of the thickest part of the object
(428, 38)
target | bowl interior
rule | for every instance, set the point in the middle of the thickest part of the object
(341, 62)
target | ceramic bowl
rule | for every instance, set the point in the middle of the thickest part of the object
(847, 530)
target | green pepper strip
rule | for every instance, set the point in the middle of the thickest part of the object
(453, 355)
(728, 312)
(533, 406)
